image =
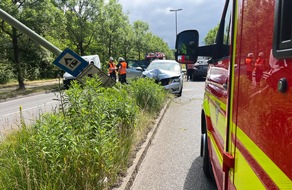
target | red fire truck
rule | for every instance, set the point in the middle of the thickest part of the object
(246, 118)
(156, 55)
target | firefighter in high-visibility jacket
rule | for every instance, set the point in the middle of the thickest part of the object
(259, 68)
(112, 69)
(249, 63)
(122, 70)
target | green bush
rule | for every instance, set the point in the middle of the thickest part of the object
(6, 74)
(148, 95)
(84, 146)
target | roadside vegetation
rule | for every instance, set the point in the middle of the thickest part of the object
(88, 143)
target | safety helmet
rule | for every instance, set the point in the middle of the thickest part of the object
(250, 55)
(111, 58)
(261, 54)
(121, 59)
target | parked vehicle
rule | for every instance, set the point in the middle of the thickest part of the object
(93, 59)
(156, 55)
(200, 69)
(168, 73)
(246, 119)
(136, 67)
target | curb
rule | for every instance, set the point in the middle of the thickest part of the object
(133, 170)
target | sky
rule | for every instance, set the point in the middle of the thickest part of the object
(201, 15)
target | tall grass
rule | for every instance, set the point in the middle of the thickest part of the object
(86, 145)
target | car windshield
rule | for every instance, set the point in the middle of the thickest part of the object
(138, 63)
(164, 65)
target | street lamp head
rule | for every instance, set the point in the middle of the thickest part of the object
(171, 10)
(175, 10)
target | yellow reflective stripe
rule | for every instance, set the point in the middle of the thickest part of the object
(231, 77)
(217, 118)
(244, 176)
(217, 151)
(206, 107)
(221, 104)
(229, 115)
(276, 174)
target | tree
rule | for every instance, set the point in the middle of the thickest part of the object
(156, 44)
(111, 23)
(81, 16)
(86, 26)
(140, 30)
(37, 15)
(211, 36)
(126, 43)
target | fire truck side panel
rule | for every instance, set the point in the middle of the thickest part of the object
(262, 114)
(215, 103)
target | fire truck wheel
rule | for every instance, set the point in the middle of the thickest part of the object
(206, 163)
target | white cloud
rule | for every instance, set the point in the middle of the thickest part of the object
(202, 15)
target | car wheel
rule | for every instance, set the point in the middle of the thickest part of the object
(180, 92)
(66, 84)
(194, 76)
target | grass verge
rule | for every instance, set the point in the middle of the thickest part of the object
(11, 90)
(88, 144)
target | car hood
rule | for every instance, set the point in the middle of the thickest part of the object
(159, 74)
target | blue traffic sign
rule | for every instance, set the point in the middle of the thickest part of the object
(70, 62)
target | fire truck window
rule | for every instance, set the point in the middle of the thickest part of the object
(282, 44)
(227, 32)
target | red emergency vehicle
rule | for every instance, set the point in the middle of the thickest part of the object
(246, 118)
(156, 55)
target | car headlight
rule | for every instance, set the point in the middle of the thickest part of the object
(174, 80)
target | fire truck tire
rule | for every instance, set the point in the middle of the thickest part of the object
(206, 162)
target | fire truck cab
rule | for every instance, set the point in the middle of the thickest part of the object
(246, 117)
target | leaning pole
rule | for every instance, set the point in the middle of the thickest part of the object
(34, 36)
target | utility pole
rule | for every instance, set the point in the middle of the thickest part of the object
(175, 10)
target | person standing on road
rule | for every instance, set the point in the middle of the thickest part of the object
(122, 70)
(112, 69)
(190, 70)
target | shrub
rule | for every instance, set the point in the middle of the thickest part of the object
(148, 95)
(6, 74)
(85, 146)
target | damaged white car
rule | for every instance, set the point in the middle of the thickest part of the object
(168, 73)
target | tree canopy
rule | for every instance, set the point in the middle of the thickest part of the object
(85, 26)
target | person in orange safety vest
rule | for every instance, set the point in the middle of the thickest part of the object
(249, 63)
(122, 70)
(112, 69)
(259, 67)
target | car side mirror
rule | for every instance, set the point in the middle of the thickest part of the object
(139, 68)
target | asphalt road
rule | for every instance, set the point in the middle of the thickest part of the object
(173, 160)
(32, 107)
